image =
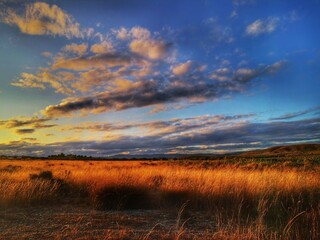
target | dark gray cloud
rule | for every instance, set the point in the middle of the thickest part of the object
(149, 93)
(229, 138)
(165, 127)
(297, 114)
(266, 133)
(246, 74)
(25, 131)
(28, 139)
(33, 122)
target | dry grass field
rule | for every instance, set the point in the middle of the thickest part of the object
(59, 199)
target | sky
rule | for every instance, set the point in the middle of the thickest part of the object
(143, 77)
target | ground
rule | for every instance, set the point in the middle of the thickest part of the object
(82, 222)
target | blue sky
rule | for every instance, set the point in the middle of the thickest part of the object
(143, 77)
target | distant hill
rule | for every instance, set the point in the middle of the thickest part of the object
(286, 150)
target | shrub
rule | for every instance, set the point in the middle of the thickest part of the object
(44, 175)
(124, 198)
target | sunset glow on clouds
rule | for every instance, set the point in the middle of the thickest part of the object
(154, 77)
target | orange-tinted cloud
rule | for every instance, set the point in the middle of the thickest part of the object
(182, 68)
(78, 49)
(38, 80)
(28, 80)
(42, 19)
(96, 61)
(103, 47)
(150, 48)
(33, 122)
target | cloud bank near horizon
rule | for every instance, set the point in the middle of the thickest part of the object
(203, 134)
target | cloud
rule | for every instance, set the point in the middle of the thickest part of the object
(140, 33)
(152, 92)
(122, 33)
(28, 80)
(69, 74)
(222, 74)
(78, 49)
(87, 80)
(136, 72)
(33, 122)
(233, 14)
(25, 131)
(246, 74)
(119, 80)
(297, 114)
(150, 48)
(214, 138)
(29, 139)
(103, 47)
(75, 70)
(40, 79)
(146, 93)
(46, 54)
(142, 42)
(259, 26)
(42, 19)
(182, 68)
(136, 32)
(164, 127)
(96, 61)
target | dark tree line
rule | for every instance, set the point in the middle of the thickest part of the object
(63, 156)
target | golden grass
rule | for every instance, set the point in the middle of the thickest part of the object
(96, 175)
(245, 202)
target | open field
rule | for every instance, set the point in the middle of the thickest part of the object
(246, 198)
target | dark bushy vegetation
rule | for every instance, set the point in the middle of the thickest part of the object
(63, 156)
